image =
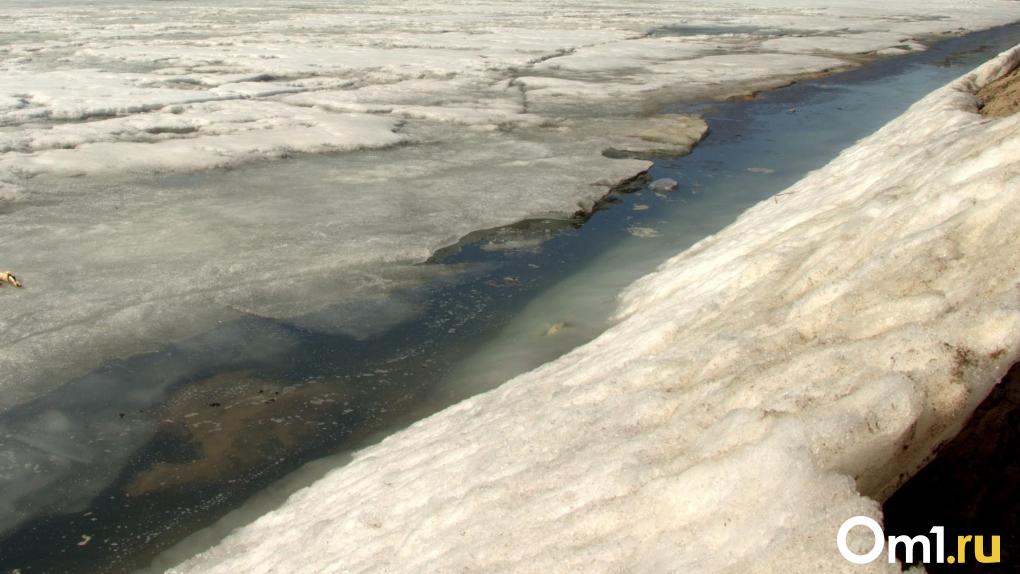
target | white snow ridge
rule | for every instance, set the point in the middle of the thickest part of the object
(757, 390)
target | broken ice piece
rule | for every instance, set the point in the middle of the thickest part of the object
(663, 185)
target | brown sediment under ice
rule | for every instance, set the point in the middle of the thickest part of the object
(1001, 97)
(236, 422)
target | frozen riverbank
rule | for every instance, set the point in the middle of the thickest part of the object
(436, 121)
(756, 389)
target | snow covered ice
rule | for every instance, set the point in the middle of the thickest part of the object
(755, 391)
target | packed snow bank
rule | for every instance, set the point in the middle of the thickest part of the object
(758, 389)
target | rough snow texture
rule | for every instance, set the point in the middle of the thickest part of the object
(758, 389)
(439, 119)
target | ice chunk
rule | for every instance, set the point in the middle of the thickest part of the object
(663, 185)
(666, 136)
(643, 232)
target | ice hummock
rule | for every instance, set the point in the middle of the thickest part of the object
(756, 391)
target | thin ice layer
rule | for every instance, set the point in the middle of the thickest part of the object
(756, 390)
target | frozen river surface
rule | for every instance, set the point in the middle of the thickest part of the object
(143, 192)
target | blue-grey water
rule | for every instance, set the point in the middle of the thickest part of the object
(214, 420)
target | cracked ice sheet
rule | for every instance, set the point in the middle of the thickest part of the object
(90, 88)
(756, 391)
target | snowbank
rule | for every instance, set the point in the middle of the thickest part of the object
(756, 391)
